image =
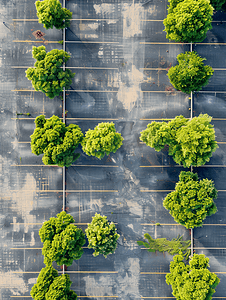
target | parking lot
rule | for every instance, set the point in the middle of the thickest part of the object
(121, 57)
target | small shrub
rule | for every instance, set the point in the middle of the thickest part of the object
(176, 246)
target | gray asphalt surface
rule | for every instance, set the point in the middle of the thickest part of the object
(120, 56)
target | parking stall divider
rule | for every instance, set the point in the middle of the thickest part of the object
(64, 121)
(192, 233)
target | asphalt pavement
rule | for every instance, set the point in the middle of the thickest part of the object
(121, 57)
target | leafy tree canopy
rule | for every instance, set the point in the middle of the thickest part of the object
(191, 142)
(102, 140)
(172, 5)
(193, 281)
(50, 286)
(176, 246)
(60, 289)
(102, 236)
(47, 75)
(56, 140)
(45, 279)
(217, 4)
(62, 240)
(188, 20)
(50, 13)
(192, 200)
(190, 74)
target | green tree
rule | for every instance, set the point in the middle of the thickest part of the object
(191, 142)
(56, 140)
(102, 140)
(60, 289)
(172, 5)
(45, 279)
(62, 240)
(176, 246)
(50, 286)
(217, 4)
(102, 236)
(193, 281)
(188, 20)
(190, 74)
(47, 75)
(192, 200)
(50, 13)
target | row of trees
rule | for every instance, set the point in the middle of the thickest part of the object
(192, 200)
(189, 204)
(48, 76)
(58, 142)
(191, 142)
(62, 243)
(187, 21)
(62, 240)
